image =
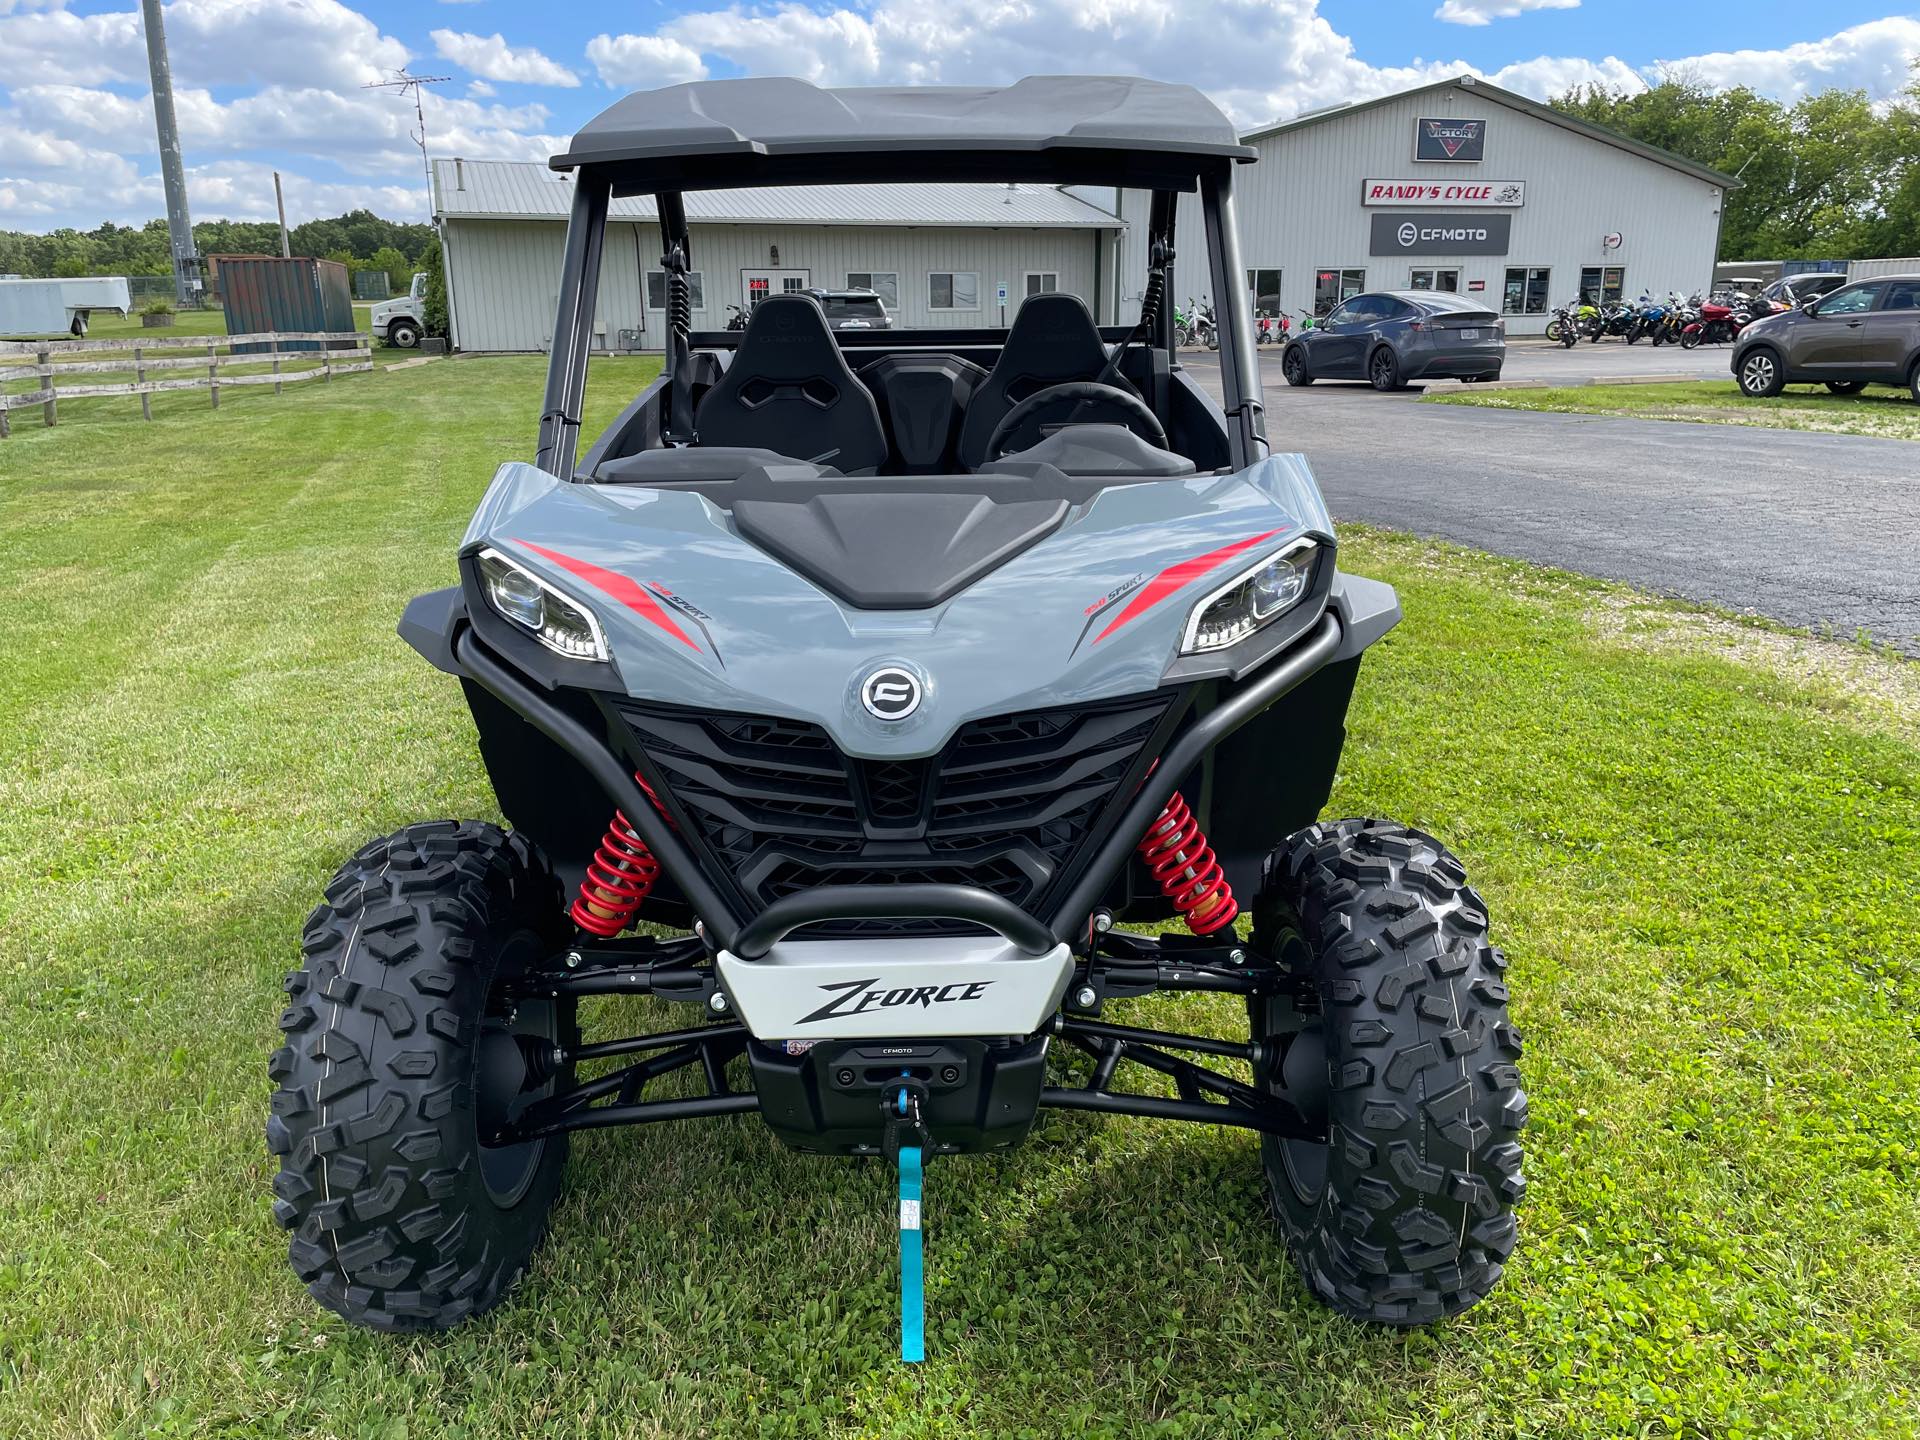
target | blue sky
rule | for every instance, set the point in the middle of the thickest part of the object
(277, 84)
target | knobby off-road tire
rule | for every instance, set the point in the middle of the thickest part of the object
(394, 1065)
(1406, 1216)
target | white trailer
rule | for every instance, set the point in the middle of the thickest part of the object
(57, 307)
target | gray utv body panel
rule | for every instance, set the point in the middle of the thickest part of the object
(708, 620)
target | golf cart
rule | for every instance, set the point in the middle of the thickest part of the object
(903, 685)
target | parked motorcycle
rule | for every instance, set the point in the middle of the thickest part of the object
(736, 318)
(1270, 329)
(1201, 328)
(1564, 327)
(1721, 319)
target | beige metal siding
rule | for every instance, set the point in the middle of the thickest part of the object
(1300, 208)
(504, 274)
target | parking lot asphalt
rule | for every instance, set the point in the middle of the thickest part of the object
(1805, 528)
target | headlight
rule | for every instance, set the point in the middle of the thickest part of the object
(563, 625)
(1251, 600)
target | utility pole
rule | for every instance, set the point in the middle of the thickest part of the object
(280, 204)
(186, 259)
(413, 85)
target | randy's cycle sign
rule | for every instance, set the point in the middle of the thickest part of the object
(1445, 138)
(1441, 234)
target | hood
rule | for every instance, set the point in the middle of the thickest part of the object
(697, 614)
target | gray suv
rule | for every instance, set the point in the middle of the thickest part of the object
(1390, 337)
(1862, 334)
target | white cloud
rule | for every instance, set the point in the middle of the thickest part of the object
(1485, 12)
(644, 62)
(210, 42)
(1876, 57)
(492, 58)
(276, 83)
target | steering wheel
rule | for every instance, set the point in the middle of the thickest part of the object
(1080, 394)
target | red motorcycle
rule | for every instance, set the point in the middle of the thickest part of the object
(1720, 321)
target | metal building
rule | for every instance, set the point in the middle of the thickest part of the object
(938, 254)
(1460, 186)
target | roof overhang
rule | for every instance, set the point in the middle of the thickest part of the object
(1480, 89)
(726, 134)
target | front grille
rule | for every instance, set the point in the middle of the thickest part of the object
(1008, 805)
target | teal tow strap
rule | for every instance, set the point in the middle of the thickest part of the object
(913, 1298)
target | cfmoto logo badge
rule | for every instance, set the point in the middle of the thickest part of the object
(890, 693)
(1409, 232)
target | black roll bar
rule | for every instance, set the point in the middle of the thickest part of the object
(1266, 686)
(1239, 366)
(891, 902)
(616, 779)
(573, 327)
(755, 937)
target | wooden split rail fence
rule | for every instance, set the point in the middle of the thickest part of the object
(54, 360)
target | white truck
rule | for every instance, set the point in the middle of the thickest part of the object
(401, 321)
(54, 307)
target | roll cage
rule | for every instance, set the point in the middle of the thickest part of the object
(1135, 134)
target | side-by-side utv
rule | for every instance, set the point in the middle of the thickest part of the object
(901, 684)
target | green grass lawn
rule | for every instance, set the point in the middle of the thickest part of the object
(1698, 841)
(1881, 411)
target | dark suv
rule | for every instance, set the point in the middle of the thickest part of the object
(853, 309)
(1862, 334)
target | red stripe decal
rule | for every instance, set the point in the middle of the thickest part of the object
(629, 594)
(1175, 576)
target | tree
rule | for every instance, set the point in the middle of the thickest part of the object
(434, 306)
(1829, 177)
(399, 269)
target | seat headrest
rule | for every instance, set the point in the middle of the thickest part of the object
(788, 338)
(1054, 334)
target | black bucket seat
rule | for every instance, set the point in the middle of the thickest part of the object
(1052, 340)
(789, 390)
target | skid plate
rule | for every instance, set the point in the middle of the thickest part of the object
(894, 988)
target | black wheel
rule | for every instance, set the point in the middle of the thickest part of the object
(1405, 1049)
(1553, 329)
(401, 1059)
(1569, 336)
(1913, 382)
(1846, 387)
(1293, 366)
(1760, 374)
(1383, 369)
(403, 334)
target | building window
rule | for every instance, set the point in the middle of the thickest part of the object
(1428, 279)
(884, 283)
(1264, 287)
(1042, 282)
(1525, 292)
(1330, 287)
(657, 289)
(953, 290)
(1603, 284)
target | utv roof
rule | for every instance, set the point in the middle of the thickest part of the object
(1093, 128)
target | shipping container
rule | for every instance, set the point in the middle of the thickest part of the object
(268, 293)
(1889, 265)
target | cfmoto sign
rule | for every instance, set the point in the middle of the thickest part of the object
(1441, 235)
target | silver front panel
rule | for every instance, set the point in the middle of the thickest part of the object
(895, 989)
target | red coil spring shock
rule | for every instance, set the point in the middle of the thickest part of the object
(619, 878)
(1186, 870)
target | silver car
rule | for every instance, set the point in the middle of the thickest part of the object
(1391, 337)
